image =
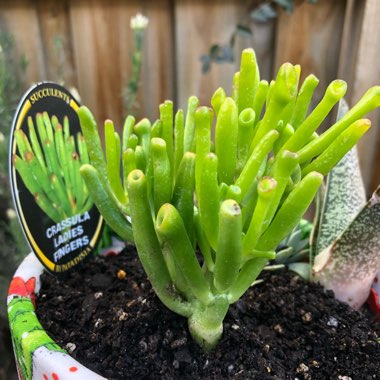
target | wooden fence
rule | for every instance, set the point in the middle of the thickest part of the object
(332, 38)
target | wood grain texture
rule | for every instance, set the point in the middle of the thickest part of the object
(56, 38)
(20, 19)
(102, 42)
(366, 73)
(311, 37)
(199, 25)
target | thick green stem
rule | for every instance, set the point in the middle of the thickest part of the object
(173, 237)
(206, 322)
(218, 99)
(259, 100)
(245, 133)
(148, 246)
(179, 131)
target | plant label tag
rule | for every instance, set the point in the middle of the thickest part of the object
(47, 149)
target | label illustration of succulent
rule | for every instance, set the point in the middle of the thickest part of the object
(37, 355)
(236, 199)
(48, 162)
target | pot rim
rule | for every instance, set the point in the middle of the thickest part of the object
(37, 355)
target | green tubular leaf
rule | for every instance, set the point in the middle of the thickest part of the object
(51, 156)
(369, 101)
(233, 192)
(48, 126)
(113, 160)
(226, 134)
(291, 212)
(78, 182)
(54, 121)
(46, 206)
(247, 275)
(179, 130)
(208, 199)
(162, 180)
(245, 132)
(82, 147)
(127, 131)
(248, 80)
(35, 144)
(148, 246)
(229, 250)
(66, 128)
(286, 133)
(235, 86)
(156, 129)
(41, 127)
(281, 170)
(338, 148)
(303, 100)
(203, 244)
(246, 178)
(140, 158)
(183, 193)
(132, 141)
(189, 136)
(172, 234)
(91, 136)
(203, 121)
(27, 177)
(106, 202)
(259, 99)
(22, 143)
(61, 194)
(166, 116)
(129, 163)
(218, 99)
(334, 92)
(142, 131)
(281, 94)
(36, 171)
(61, 153)
(266, 192)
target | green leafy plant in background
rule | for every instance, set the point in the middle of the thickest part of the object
(138, 24)
(48, 163)
(259, 12)
(235, 200)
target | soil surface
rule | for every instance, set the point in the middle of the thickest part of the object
(283, 328)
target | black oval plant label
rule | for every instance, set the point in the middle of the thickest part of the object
(58, 217)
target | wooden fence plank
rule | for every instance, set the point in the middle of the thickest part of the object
(20, 19)
(53, 18)
(102, 42)
(200, 24)
(311, 36)
(367, 74)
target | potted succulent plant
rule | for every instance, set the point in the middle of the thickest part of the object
(207, 218)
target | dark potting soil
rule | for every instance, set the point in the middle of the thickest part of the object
(283, 328)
